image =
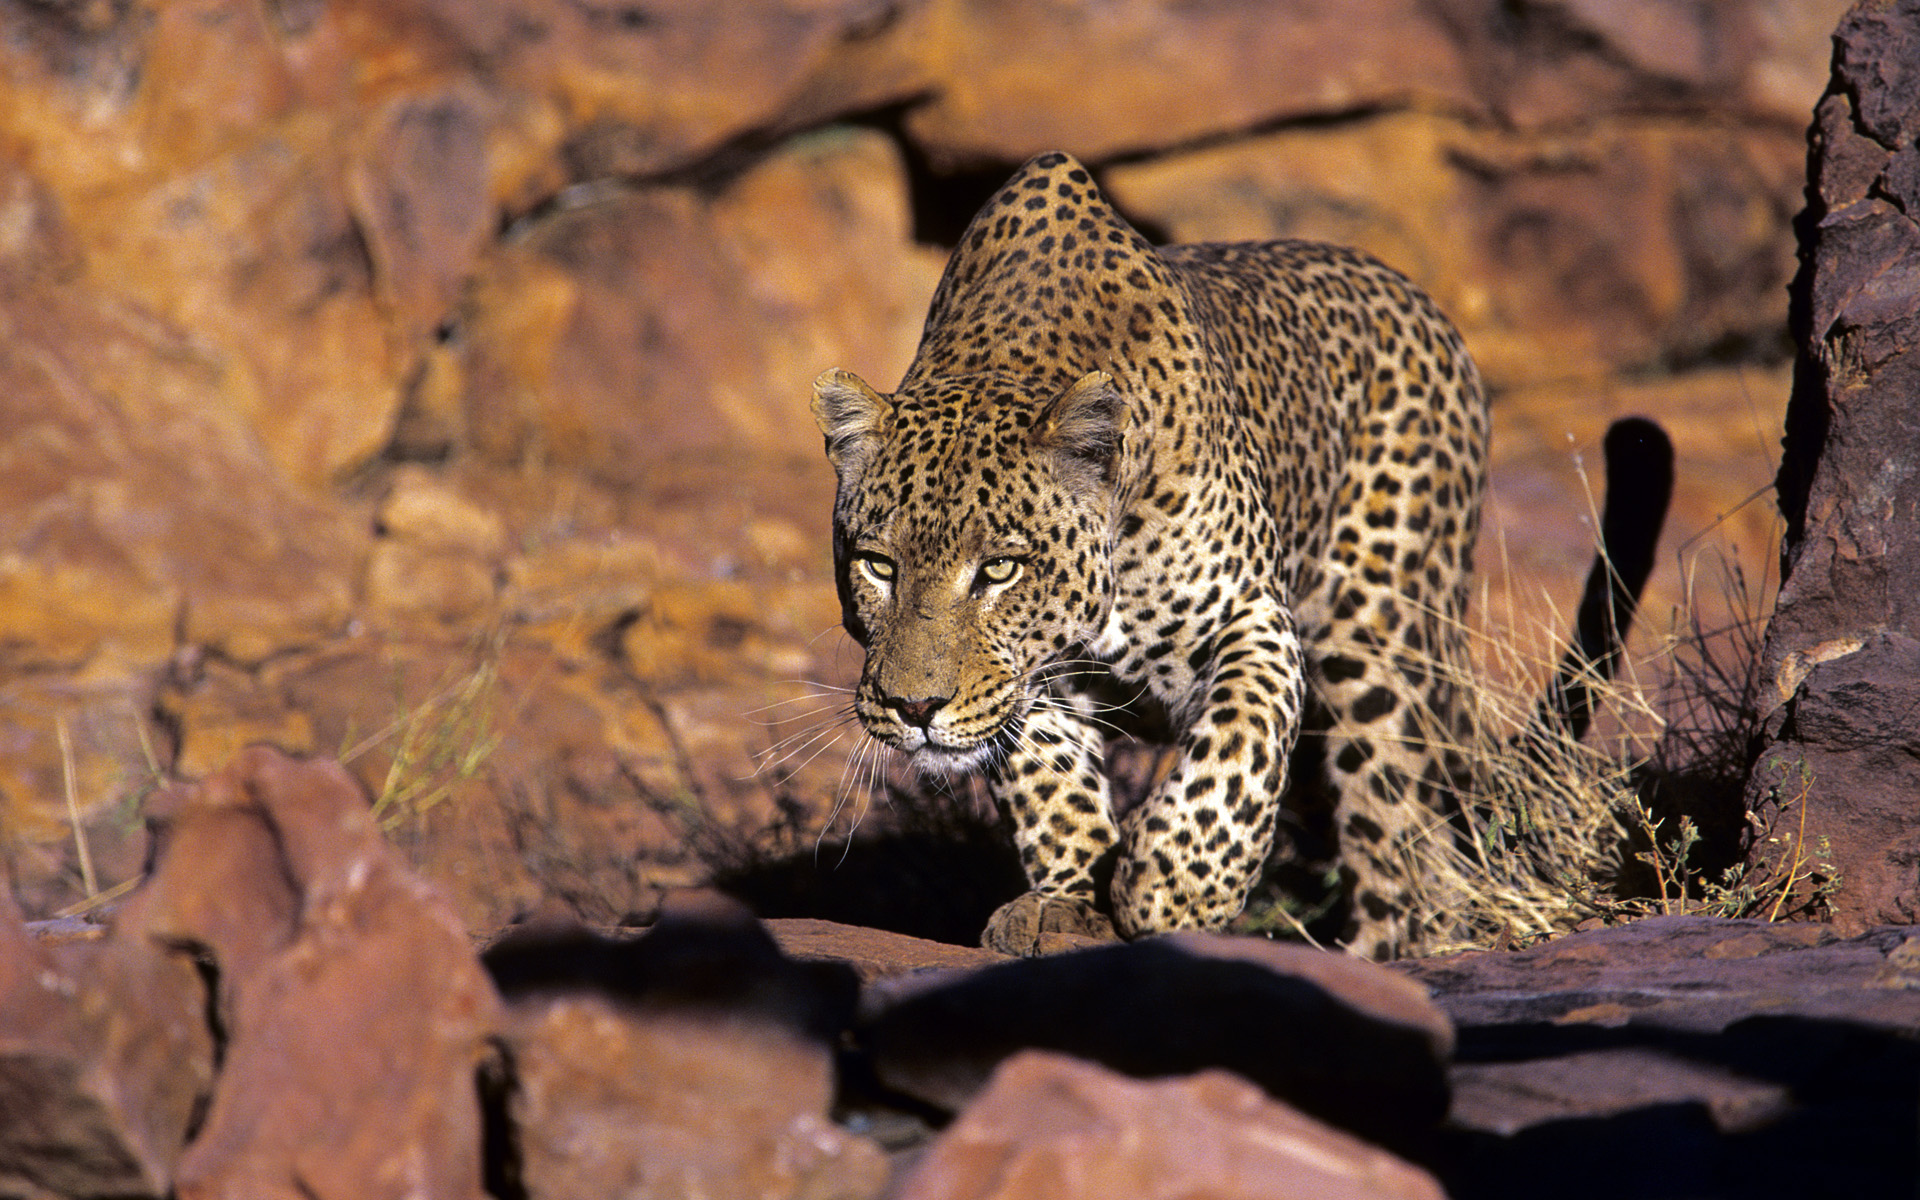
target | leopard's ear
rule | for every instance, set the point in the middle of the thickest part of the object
(1082, 427)
(850, 413)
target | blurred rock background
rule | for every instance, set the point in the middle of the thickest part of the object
(425, 382)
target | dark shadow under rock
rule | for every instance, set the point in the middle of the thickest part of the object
(936, 885)
(1780, 1107)
(696, 1059)
(1684, 1057)
(1343, 1040)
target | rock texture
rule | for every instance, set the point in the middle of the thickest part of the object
(105, 1060)
(283, 1009)
(1049, 1127)
(426, 387)
(352, 1013)
(697, 1061)
(1842, 660)
(1684, 1056)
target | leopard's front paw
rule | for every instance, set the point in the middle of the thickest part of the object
(1036, 924)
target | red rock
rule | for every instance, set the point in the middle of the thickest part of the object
(1537, 63)
(1382, 995)
(1836, 775)
(1688, 973)
(998, 70)
(694, 1061)
(1718, 1055)
(1560, 257)
(649, 334)
(571, 265)
(1052, 1128)
(354, 1011)
(1507, 1097)
(105, 1059)
(874, 953)
(421, 199)
(613, 1103)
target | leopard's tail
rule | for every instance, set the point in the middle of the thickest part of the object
(1539, 818)
(1639, 487)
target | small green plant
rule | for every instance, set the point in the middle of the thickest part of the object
(1790, 880)
(437, 744)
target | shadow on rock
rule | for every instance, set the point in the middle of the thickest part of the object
(694, 1060)
(1771, 1106)
(935, 884)
(1342, 1040)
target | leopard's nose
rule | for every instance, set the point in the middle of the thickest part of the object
(919, 712)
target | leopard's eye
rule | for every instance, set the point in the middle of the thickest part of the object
(877, 567)
(999, 570)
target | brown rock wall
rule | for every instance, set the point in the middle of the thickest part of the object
(1841, 651)
(429, 340)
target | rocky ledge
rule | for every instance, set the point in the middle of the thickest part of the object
(285, 1009)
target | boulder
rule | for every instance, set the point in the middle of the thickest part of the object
(1049, 1127)
(105, 1062)
(694, 1061)
(353, 1011)
(1566, 257)
(1839, 765)
(1683, 1056)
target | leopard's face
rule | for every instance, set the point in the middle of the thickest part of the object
(972, 542)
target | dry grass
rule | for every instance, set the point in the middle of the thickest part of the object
(1646, 815)
(435, 745)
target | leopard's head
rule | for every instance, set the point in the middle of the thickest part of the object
(972, 543)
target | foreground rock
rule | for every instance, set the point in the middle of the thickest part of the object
(695, 1061)
(353, 1013)
(1050, 1127)
(105, 1059)
(1842, 664)
(1684, 1056)
(283, 1009)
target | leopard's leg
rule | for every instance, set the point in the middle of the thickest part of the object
(1192, 851)
(1385, 670)
(1054, 789)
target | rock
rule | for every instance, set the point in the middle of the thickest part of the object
(1683, 1055)
(1506, 1097)
(873, 953)
(105, 1062)
(125, 479)
(994, 75)
(354, 1013)
(644, 334)
(1845, 636)
(998, 72)
(438, 555)
(1543, 61)
(696, 1060)
(1048, 1126)
(1697, 974)
(613, 1104)
(134, 511)
(439, 339)
(1559, 257)
(1363, 1050)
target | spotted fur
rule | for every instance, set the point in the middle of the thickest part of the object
(1236, 483)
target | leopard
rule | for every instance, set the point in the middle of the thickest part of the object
(1232, 486)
